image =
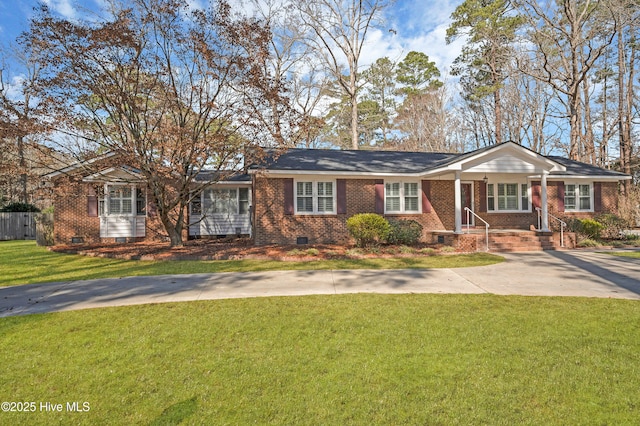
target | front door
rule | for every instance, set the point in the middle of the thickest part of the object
(466, 195)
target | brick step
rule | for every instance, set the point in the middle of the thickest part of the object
(508, 241)
(519, 247)
(512, 242)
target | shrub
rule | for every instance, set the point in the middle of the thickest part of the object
(406, 250)
(295, 252)
(313, 252)
(428, 251)
(591, 228)
(44, 229)
(588, 242)
(368, 229)
(573, 224)
(612, 226)
(19, 207)
(629, 207)
(392, 250)
(372, 250)
(405, 232)
(447, 249)
(354, 253)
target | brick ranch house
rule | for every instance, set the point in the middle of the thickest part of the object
(305, 196)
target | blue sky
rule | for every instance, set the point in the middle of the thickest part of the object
(419, 25)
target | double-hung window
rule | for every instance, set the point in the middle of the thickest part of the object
(221, 201)
(314, 197)
(507, 197)
(401, 197)
(225, 201)
(577, 197)
(120, 202)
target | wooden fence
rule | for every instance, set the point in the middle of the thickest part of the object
(18, 226)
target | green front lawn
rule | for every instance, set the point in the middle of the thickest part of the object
(631, 254)
(346, 359)
(23, 262)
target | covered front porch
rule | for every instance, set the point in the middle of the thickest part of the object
(505, 187)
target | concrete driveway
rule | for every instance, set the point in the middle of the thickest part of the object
(552, 273)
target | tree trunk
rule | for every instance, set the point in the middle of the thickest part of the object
(353, 88)
(624, 128)
(175, 239)
(174, 231)
(23, 190)
(628, 119)
(604, 143)
(354, 123)
(498, 116)
(173, 227)
(588, 141)
(574, 124)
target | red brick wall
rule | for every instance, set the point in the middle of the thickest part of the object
(273, 226)
(609, 194)
(70, 218)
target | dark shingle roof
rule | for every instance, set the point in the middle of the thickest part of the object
(221, 176)
(331, 160)
(400, 162)
(576, 168)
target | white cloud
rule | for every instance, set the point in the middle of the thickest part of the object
(62, 7)
(433, 44)
(417, 26)
(14, 87)
(195, 5)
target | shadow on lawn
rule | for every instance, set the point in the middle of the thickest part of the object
(177, 413)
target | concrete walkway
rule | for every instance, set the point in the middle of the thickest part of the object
(552, 273)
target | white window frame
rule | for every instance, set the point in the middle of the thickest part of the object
(577, 197)
(205, 207)
(520, 196)
(104, 205)
(403, 196)
(314, 196)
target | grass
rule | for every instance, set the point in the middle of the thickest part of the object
(631, 254)
(22, 262)
(346, 359)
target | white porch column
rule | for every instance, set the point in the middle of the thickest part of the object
(543, 202)
(458, 204)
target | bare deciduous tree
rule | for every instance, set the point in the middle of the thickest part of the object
(491, 27)
(21, 121)
(426, 122)
(169, 89)
(339, 29)
(627, 17)
(569, 37)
